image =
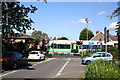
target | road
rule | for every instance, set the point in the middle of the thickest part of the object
(49, 68)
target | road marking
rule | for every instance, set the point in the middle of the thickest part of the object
(1, 75)
(63, 68)
(42, 62)
(8, 73)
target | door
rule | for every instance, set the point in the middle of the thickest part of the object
(74, 48)
(96, 57)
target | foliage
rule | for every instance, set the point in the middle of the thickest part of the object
(43, 48)
(102, 69)
(9, 46)
(37, 34)
(115, 13)
(83, 35)
(44, 35)
(62, 38)
(15, 17)
(88, 53)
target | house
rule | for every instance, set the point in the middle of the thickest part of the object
(20, 37)
(99, 38)
(97, 42)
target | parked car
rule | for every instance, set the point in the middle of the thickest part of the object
(13, 60)
(36, 55)
(98, 56)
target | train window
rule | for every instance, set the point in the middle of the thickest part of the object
(63, 46)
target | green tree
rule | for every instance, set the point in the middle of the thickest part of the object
(115, 13)
(62, 38)
(83, 34)
(44, 35)
(15, 17)
(37, 34)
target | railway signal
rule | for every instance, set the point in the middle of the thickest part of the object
(79, 43)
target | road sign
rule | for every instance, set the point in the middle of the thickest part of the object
(91, 43)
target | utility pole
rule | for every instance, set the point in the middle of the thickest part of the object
(106, 37)
(87, 20)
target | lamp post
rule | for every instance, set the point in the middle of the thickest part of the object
(87, 20)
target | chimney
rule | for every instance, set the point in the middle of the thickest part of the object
(97, 32)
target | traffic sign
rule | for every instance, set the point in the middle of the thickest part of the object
(91, 43)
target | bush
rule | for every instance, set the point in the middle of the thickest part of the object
(102, 69)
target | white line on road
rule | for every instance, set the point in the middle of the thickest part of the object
(62, 68)
(8, 73)
(41, 62)
(1, 75)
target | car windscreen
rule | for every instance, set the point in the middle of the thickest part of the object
(92, 54)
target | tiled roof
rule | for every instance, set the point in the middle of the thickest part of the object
(20, 35)
(101, 35)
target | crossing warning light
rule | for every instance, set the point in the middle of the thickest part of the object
(79, 43)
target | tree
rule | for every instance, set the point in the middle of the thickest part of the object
(116, 12)
(83, 35)
(44, 35)
(15, 17)
(62, 38)
(37, 34)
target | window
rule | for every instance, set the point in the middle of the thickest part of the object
(54, 45)
(97, 55)
(20, 55)
(103, 55)
(63, 46)
(108, 55)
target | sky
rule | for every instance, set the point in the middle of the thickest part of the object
(68, 18)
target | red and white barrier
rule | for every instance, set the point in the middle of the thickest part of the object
(64, 53)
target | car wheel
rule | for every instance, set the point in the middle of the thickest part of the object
(88, 62)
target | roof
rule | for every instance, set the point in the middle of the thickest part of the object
(19, 36)
(101, 35)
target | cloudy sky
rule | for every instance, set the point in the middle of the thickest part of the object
(68, 18)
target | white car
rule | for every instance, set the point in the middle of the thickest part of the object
(36, 55)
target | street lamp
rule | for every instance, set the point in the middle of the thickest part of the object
(87, 21)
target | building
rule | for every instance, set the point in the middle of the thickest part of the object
(20, 37)
(97, 41)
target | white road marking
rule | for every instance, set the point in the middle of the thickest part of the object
(8, 73)
(41, 62)
(1, 75)
(63, 68)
